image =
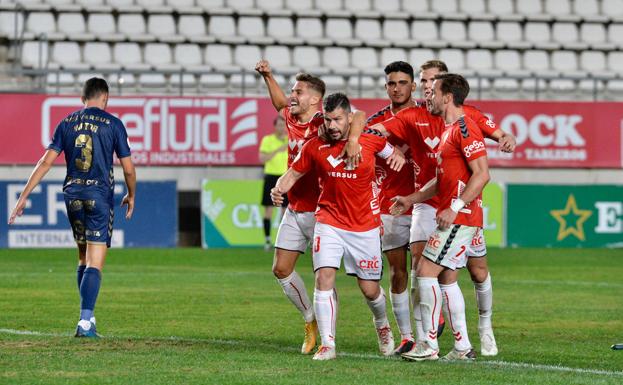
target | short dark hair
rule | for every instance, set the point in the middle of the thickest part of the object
(454, 84)
(312, 81)
(400, 66)
(93, 88)
(440, 65)
(336, 100)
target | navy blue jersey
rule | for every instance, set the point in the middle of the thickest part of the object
(89, 137)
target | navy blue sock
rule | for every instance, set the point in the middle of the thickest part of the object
(89, 289)
(80, 274)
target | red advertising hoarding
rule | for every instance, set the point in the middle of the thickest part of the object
(199, 131)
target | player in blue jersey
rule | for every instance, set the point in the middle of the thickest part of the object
(89, 138)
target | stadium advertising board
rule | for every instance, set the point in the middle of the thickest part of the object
(197, 131)
(45, 224)
(493, 214)
(565, 216)
(551, 134)
(161, 130)
(231, 214)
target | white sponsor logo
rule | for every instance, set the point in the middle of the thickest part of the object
(52, 238)
(295, 144)
(474, 147)
(174, 124)
(432, 143)
(609, 218)
(545, 130)
(333, 161)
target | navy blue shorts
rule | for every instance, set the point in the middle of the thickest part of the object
(90, 219)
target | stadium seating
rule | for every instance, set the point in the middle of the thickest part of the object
(502, 43)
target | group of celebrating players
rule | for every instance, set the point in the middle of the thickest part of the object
(423, 194)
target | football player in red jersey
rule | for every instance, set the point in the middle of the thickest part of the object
(303, 116)
(462, 173)
(348, 223)
(399, 84)
(477, 253)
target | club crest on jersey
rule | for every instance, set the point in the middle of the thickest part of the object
(432, 143)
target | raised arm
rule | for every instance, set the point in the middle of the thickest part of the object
(277, 96)
(129, 173)
(43, 166)
(283, 185)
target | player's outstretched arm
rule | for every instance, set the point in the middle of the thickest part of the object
(352, 150)
(283, 185)
(277, 96)
(378, 128)
(43, 166)
(129, 173)
(396, 160)
(506, 140)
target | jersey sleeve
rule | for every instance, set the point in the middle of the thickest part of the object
(472, 141)
(304, 160)
(486, 125)
(397, 126)
(122, 145)
(57, 139)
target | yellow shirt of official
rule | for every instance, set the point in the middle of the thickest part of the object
(278, 164)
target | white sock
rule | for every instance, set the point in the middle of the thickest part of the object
(325, 308)
(336, 307)
(294, 288)
(379, 310)
(454, 311)
(417, 312)
(484, 300)
(430, 306)
(400, 306)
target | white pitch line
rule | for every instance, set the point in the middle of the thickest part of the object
(521, 365)
(560, 283)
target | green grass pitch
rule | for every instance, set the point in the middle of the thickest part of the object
(191, 316)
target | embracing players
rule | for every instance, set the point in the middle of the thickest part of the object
(303, 118)
(348, 223)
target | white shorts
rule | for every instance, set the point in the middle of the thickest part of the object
(449, 247)
(395, 231)
(478, 248)
(361, 251)
(296, 230)
(423, 222)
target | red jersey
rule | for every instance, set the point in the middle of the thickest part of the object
(303, 196)
(486, 125)
(390, 182)
(422, 132)
(461, 143)
(348, 198)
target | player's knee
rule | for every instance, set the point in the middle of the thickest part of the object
(281, 272)
(399, 281)
(478, 273)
